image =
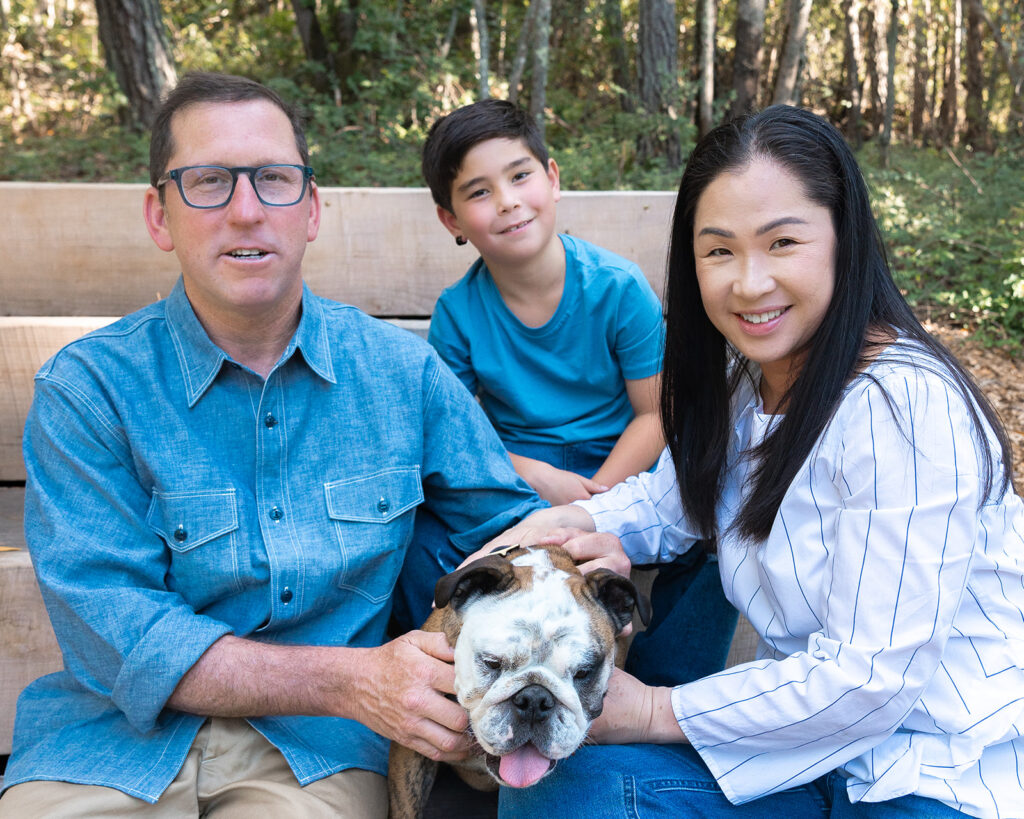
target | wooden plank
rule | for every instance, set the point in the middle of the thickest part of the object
(28, 648)
(12, 516)
(25, 344)
(83, 249)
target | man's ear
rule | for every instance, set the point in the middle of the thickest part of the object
(155, 214)
(449, 220)
(313, 228)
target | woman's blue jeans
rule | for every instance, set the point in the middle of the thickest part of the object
(672, 782)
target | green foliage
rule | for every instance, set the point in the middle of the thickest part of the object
(105, 152)
(956, 236)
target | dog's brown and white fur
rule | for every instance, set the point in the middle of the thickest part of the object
(534, 649)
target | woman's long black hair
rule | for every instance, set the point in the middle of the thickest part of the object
(701, 372)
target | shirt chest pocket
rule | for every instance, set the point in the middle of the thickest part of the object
(373, 519)
(201, 532)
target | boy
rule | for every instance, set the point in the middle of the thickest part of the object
(560, 340)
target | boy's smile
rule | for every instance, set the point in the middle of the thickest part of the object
(503, 202)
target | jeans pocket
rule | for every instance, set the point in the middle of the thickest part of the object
(373, 519)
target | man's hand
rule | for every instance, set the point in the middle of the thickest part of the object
(399, 693)
(634, 712)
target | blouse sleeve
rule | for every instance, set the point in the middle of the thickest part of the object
(645, 513)
(897, 476)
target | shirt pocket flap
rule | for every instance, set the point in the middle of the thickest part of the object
(186, 520)
(377, 498)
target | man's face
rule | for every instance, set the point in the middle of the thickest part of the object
(243, 259)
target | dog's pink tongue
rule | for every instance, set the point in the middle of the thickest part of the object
(523, 766)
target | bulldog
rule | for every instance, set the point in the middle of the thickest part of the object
(534, 648)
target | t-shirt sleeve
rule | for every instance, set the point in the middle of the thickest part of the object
(450, 342)
(639, 328)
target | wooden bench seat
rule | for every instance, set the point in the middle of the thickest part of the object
(77, 255)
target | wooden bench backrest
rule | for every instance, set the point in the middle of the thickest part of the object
(74, 256)
(83, 250)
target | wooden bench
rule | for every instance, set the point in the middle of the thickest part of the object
(77, 256)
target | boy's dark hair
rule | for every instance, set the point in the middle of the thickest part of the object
(698, 380)
(451, 137)
(207, 86)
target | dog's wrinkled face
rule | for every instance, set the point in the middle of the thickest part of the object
(532, 661)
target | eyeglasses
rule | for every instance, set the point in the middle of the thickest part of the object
(212, 186)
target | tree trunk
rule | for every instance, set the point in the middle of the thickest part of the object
(921, 64)
(891, 39)
(344, 25)
(541, 58)
(314, 44)
(975, 115)
(136, 49)
(874, 113)
(612, 12)
(707, 22)
(797, 18)
(481, 47)
(449, 35)
(852, 59)
(1014, 67)
(746, 68)
(657, 70)
(949, 113)
(522, 52)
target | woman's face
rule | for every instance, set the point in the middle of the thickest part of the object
(765, 258)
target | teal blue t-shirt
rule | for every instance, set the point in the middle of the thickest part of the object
(563, 382)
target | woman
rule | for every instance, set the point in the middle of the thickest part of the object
(859, 489)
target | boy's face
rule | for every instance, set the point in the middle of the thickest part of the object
(503, 201)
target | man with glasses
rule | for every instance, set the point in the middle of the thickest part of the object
(222, 489)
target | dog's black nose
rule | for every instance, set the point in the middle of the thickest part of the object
(533, 703)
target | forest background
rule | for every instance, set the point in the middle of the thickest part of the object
(929, 92)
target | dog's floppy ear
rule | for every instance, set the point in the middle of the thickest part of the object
(484, 576)
(619, 597)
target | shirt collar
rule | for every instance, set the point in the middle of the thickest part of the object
(201, 360)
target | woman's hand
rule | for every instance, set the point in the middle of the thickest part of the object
(534, 528)
(634, 712)
(590, 550)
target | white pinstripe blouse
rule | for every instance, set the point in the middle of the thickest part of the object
(890, 609)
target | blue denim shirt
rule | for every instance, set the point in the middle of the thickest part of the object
(175, 497)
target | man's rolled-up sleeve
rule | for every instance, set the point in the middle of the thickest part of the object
(123, 634)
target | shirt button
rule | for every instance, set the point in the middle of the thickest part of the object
(286, 595)
(383, 505)
(270, 421)
(276, 514)
(180, 534)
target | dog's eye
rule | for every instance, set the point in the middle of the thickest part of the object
(583, 673)
(491, 663)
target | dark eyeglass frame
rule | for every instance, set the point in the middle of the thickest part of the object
(176, 174)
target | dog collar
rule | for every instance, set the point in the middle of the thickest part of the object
(502, 551)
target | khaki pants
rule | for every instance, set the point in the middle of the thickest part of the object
(231, 772)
